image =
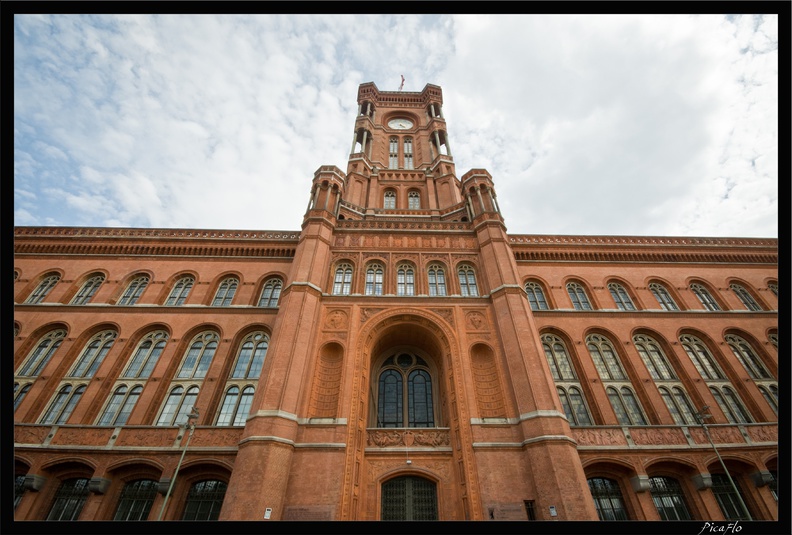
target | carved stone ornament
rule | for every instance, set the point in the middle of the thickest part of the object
(475, 320)
(336, 320)
(408, 438)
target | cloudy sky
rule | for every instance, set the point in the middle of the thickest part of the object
(611, 125)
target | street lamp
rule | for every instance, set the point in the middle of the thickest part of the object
(190, 423)
(700, 417)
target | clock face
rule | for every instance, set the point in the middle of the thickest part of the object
(400, 124)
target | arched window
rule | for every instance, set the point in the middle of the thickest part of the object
(93, 355)
(20, 393)
(199, 357)
(408, 156)
(663, 297)
(146, 355)
(270, 293)
(120, 405)
(180, 291)
(204, 500)
(701, 357)
(746, 298)
(405, 392)
(704, 297)
(389, 200)
(669, 499)
(178, 405)
(773, 339)
(607, 499)
(88, 290)
(41, 291)
(678, 405)
(225, 292)
(536, 296)
(605, 359)
(725, 490)
(467, 281)
(654, 358)
(405, 280)
(557, 358)
(730, 404)
(747, 357)
(414, 200)
(770, 393)
(69, 500)
(574, 405)
(578, 296)
(374, 278)
(437, 283)
(620, 296)
(235, 408)
(134, 291)
(40, 356)
(251, 356)
(773, 287)
(136, 500)
(393, 153)
(626, 406)
(342, 285)
(63, 404)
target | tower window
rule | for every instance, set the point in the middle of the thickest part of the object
(437, 283)
(414, 200)
(389, 200)
(342, 284)
(393, 158)
(467, 281)
(374, 278)
(408, 153)
(405, 280)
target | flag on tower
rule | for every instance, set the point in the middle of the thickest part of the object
(402, 84)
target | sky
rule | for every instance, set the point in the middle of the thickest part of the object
(589, 125)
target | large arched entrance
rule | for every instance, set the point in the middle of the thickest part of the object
(409, 498)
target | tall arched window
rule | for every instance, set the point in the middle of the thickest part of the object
(41, 291)
(241, 385)
(605, 359)
(405, 393)
(236, 407)
(136, 500)
(536, 296)
(270, 293)
(146, 355)
(199, 356)
(731, 405)
(704, 297)
(620, 296)
(393, 153)
(654, 358)
(93, 355)
(626, 406)
(577, 294)
(574, 405)
(134, 291)
(669, 499)
(745, 297)
(251, 356)
(701, 357)
(467, 281)
(180, 291)
(374, 278)
(204, 500)
(557, 358)
(20, 393)
(342, 285)
(40, 356)
(678, 405)
(120, 406)
(770, 393)
(225, 292)
(773, 287)
(437, 283)
(389, 200)
(88, 290)
(405, 280)
(414, 200)
(63, 404)
(607, 499)
(747, 357)
(408, 153)
(178, 405)
(664, 299)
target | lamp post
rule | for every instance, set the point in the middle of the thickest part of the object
(700, 417)
(191, 425)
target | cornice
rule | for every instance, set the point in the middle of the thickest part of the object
(641, 241)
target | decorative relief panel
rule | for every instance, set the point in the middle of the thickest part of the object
(720, 435)
(655, 436)
(408, 437)
(445, 313)
(367, 313)
(765, 433)
(336, 320)
(476, 321)
(599, 437)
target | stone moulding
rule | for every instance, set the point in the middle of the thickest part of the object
(408, 437)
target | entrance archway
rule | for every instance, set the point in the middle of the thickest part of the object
(409, 498)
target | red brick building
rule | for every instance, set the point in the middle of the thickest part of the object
(399, 357)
